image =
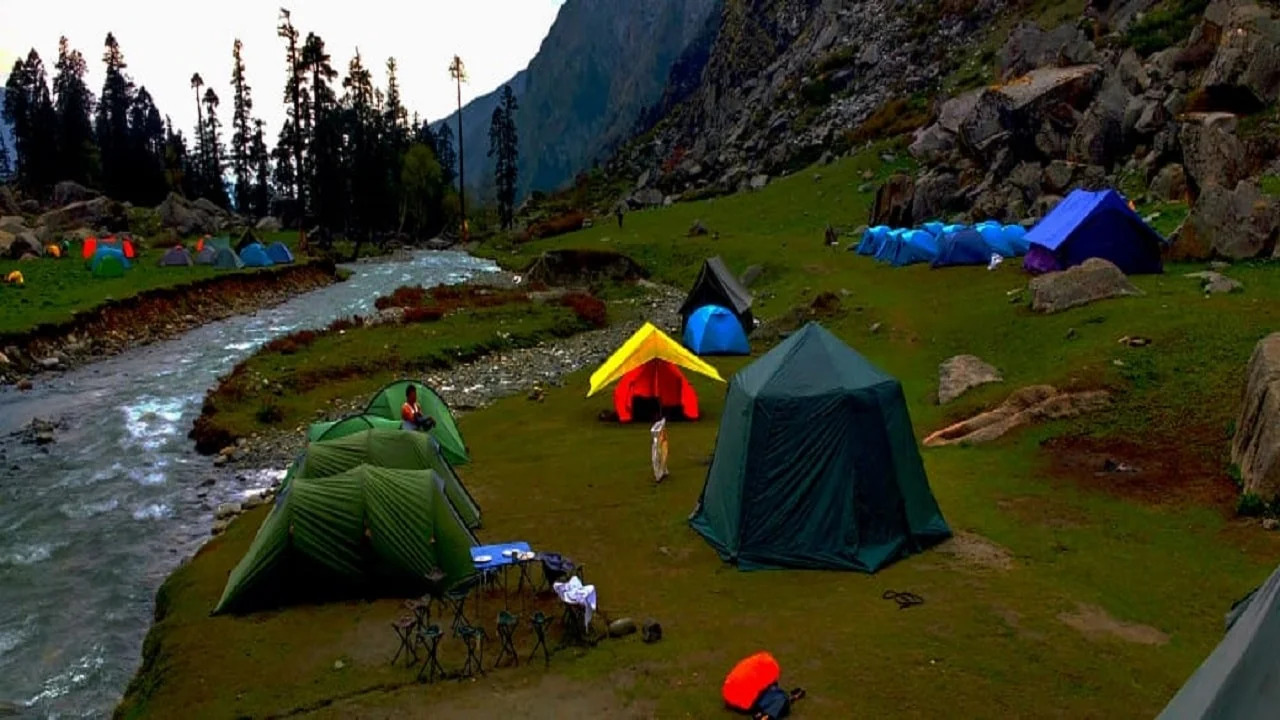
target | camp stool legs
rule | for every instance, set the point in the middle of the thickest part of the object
(507, 624)
(458, 603)
(540, 623)
(405, 628)
(473, 638)
(574, 621)
(429, 637)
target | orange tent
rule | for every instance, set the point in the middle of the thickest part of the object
(661, 386)
(748, 679)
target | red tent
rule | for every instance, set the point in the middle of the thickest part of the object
(655, 383)
(90, 247)
(748, 679)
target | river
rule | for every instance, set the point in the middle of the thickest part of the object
(91, 525)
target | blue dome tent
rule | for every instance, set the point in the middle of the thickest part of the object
(715, 330)
(254, 255)
(872, 240)
(962, 248)
(279, 254)
(908, 247)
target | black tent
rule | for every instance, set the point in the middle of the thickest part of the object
(717, 286)
(247, 239)
(1241, 678)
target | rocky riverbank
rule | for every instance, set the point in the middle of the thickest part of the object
(151, 316)
(474, 385)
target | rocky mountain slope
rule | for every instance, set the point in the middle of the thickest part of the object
(1006, 106)
(602, 64)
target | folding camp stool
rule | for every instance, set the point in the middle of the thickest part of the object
(576, 631)
(540, 623)
(405, 629)
(429, 637)
(507, 624)
(473, 638)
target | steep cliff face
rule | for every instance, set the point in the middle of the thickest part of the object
(602, 64)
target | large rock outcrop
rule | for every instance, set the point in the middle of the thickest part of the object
(1235, 224)
(191, 218)
(894, 204)
(1095, 279)
(1246, 68)
(98, 213)
(1255, 449)
(67, 192)
(1213, 154)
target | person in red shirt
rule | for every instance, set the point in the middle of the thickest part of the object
(411, 417)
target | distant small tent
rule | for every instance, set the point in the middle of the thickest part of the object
(872, 240)
(279, 254)
(226, 259)
(388, 401)
(646, 369)
(398, 449)
(369, 531)
(255, 255)
(108, 262)
(220, 241)
(816, 464)
(717, 286)
(349, 425)
(1094, 224)
(177, 257)
(207, 255)
(715, 330)
(908, 248)
(247, 239)
(1240, 679)
(965, 247)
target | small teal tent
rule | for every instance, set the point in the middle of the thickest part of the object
(1094, 224)
(254, 255)
(715, 330)
(279, 254)
(962, 248)
(226, 259)
(908, 247)
(933, 228)
(816, 465)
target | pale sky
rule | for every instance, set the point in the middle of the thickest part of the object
(163, 45)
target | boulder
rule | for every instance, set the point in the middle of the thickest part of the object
(758, 182)
(1058, 176)
(1026, 178)
(67, 192)
(6, 242)
(1234, 224)
(177, 213)
(985, 124)
(227, 510)
(1038, 403)
(1215, 283)
(697, 229)
(1212, 153)
(8, 203)
(935, 194)
(932, 143)
(1131, 73)
(25, 243)
(961, 374)
(269, 224)
(953, 112)
(1170, 183)
(1099, 139)
(645, 197)
(101, 212)
(208, 206)
(1029, 47)
(13, 224)
(1246, 66)
(1095, 279)
(894, 202)
(1255, 449)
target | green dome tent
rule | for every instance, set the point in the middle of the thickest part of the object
(386, 404)
(397, 449)
(816, 465)
(349, 426)
(367, 530)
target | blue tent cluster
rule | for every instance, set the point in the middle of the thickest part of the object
(943, 245)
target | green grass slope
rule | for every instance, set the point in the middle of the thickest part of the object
(1070, 594)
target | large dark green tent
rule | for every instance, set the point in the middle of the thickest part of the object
(816, 465)
(1240, 679)
(396, 449)
(386, 404)
(365, 532)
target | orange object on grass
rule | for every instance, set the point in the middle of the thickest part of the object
(90, 247)
(748, 679)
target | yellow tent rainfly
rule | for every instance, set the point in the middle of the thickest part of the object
(14, 278)
(649, 343)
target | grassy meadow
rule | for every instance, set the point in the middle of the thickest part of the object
(1068, 593)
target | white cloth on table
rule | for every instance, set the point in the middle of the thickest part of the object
(574, 592)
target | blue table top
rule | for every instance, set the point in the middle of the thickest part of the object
(497, 559)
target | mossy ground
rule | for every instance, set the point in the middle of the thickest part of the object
(56, 289)
(992, 638)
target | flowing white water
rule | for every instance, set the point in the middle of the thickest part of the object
(90, 526)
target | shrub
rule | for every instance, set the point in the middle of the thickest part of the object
(568, 222)
(346, 323)
(895, 117)
(1250, 505)
(269, 414)
(406, 296)
(1164, 26)
(422, 314)
(292, 343)
(590, 309)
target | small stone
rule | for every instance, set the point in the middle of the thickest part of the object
(252, 502)
(24, 385)
(1270, 524)
(338, 664)
(622, 627)
(4, 359)
(219, 527)
(52, 362)
(208, 482)
(817, 177)
(44, 437)
(875, 328)
(1219, 265)
(1118, 363)
(241, 442)
(226, 510)
(220, 461)
(1072, 334)
(227, 451)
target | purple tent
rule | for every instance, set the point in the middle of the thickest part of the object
(1094, 224)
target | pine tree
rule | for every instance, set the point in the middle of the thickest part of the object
(147, 150)
(504, 147)
(242, 137)
(216, 188)
(395, 117)
(367, 194)
(322, 171)
(6, 164)
(445, 152)
(291, 144)
(176, 163)
(73, 104)
(112, 122)
(260, 163)
(29, 109)
(196, 179)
